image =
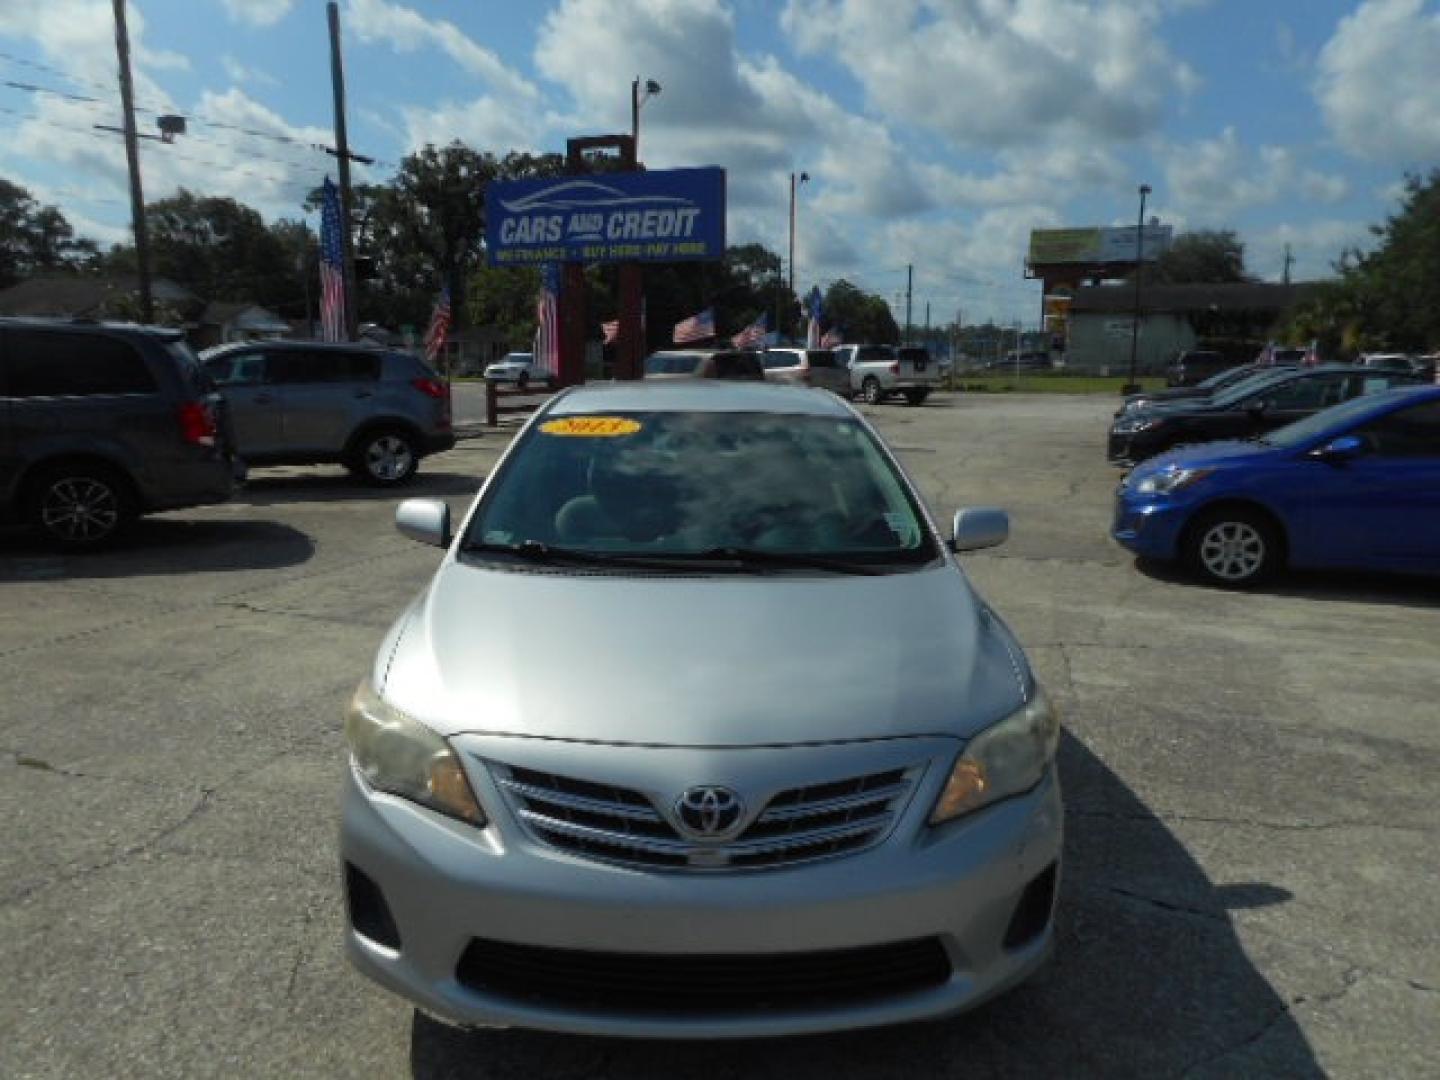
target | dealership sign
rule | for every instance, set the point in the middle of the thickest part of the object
(1051, 247)
(663, 216)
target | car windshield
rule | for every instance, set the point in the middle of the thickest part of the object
(1243, 389)
(1331, 421)
(677, 484)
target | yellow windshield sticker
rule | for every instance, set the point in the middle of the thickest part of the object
(592, 427)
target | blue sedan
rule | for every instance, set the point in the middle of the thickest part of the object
(1356, 486)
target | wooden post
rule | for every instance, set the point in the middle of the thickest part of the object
(492, 405)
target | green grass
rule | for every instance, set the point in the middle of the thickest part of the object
(1048, 384)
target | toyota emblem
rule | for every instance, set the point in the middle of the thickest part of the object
(709, 812)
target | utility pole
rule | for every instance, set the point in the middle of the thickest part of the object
(803, 178)
(1289, 262)
(342, 157)
(909, 296)
(132, 158)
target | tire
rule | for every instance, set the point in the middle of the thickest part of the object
(916, 397)
(522, 382)
(385, 457)
(870, 390)
(1235, 548)
(79, 506)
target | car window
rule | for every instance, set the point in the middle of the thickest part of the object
(1315, 392)
(1406, 433)
(322, 365)
(676, 483)
(873, 354)
(74, 365)
(236, 369)
(780, 360)
(736, 366)
(820, 358)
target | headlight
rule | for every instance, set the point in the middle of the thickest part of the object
(1130, 425)
(402, 756)
(1168, 480)
(1003, 760)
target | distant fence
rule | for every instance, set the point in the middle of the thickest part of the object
(494, 396)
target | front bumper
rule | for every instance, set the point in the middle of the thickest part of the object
(1131, 448)
(1149, 525)
(446, 884)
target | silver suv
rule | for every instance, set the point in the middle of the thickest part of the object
(777, 768)
(806, 367)
(305, 403)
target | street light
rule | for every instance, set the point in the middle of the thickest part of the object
(804, 179)
(637, 98)
(1130, 386)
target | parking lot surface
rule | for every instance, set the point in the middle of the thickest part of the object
(1249, 781)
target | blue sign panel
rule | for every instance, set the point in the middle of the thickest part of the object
(665, 216)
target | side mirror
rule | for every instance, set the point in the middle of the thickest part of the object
(979, 527)
(425, 520)
(1345, 448)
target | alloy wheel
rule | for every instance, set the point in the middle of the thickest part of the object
(80, 509)
(389, 459)
(1232, 550)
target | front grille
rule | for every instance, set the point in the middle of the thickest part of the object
(603, 821)
(647, 983)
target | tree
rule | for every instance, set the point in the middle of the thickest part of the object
(1206, 256)
(37, 239)
(860, 316)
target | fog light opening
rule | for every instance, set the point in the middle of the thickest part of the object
(369, 914)
(1032, 913)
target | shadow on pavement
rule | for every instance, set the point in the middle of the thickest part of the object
(1148, 980)
(1402, 590)
(325, 485)
(163, 546)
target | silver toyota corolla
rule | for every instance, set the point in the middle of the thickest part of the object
(699, 730)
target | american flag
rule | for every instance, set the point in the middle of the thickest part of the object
(753, 335)
(1267, 355)
(1312, 355)
(831, 338)
(612, 331)
(547, 319)
(699, 327)
(815, 307)
(439, 328)
(332, 266)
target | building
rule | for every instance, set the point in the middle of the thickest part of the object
(77, 296)
(1235, 318)
(225, 321)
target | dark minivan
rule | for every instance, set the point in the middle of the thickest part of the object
(101, 422)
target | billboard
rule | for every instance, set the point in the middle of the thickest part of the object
(663, 216)
(1049, 247)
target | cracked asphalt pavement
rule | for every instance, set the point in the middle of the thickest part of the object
(1250, 782)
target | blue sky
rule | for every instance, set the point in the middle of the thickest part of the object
(937, 132)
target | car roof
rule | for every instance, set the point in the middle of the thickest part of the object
(697, 395)
(38, 322)
(291, 343)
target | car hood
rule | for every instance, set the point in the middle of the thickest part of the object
(701, 661)
(1228, 453)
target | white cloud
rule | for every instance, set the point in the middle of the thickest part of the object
(1031, 174)
(258, 12)
(485, 123)
(1316, 246)
(1213, 179)
(243, 73)
(406, 30)
(1376, 81)
(995, 72)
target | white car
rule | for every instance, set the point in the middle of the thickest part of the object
(517, 367)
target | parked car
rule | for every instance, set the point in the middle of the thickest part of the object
(1252, 408)
(1209, 388)
(836, 805)
(880, 371)
(704, 364)
(1194, 366)
(806, 367)
(518, 368)
(303, 403)
(1423, 366)
(101, 422)
(1355, 486)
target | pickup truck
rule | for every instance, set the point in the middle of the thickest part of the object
(880, 371)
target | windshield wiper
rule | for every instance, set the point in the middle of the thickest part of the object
(536, 551)
(754, 557)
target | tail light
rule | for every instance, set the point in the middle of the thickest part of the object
(438, 389)
(197, 423)
(895, 368)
